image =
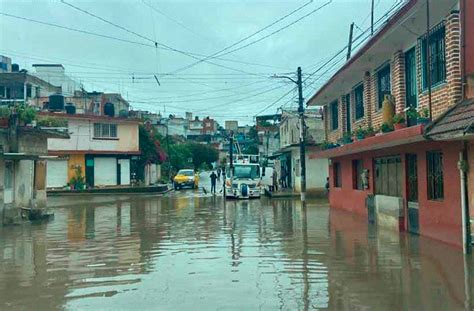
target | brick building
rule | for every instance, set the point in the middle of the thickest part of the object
(402, 179)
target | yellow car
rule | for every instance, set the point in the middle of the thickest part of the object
(186, 178)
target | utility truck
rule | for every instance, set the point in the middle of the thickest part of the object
(243, 177)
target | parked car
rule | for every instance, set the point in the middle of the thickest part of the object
(186, 178)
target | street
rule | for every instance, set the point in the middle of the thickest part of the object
(190, 250)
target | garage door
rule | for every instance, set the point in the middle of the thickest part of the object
(56, 174)
(105, 171)
(124, 171)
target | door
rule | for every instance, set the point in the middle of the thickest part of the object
(412, 193)
(124, 169)
(105, 171)
(410, 82)
(348, 114)
(89, 171)
(56, 173)
(9, 182)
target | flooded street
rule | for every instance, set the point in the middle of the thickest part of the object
(189, 250)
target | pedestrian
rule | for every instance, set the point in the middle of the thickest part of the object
(327, 185)
(275, 180)
(213, 182)
(219, 173)
(283, 177)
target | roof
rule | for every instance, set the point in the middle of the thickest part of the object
(89, 117)
(48, 65)
(456, 122)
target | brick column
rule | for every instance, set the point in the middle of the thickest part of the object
(453, 57)
(398, 81)
(343, 113)
(368, 98)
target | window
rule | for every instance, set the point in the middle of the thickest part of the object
(334, 115)
(383, 84)
(359, 101)
(434, 160)
(388, 176)
(357, 169)
(105, 130)
(337, 175)
(437, 56)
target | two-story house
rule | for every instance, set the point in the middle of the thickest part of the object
(100, 148)
(288, 163)
(401, 179)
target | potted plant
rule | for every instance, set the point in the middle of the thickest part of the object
(26, 114)
(5, 114)
(385, 128)
(370, 132)
(423, 116)
(346, 138)
(399, 121)
(359, 133)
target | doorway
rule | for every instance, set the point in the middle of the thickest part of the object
(412, 193)
(410, 83)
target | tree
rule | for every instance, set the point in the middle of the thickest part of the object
(203, 154)
(150, 147)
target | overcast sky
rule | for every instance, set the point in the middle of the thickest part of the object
(238, 92)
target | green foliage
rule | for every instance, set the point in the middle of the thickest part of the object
(150, 147)
(370, 131)
(180, 156)
(385, 128)
(346, 138)
(52, 122)
(412, 113)
(203, 154)
(360, 132)
(399, 118)
(253, 134)
(424, 112)
(78, 181)
(5, 112)
(251, 149)
(26, 113)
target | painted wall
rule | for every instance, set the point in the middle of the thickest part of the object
(82, 138)
(470, 182)
(23, 182)
(76, 160)
(440, 220)
(316, 173)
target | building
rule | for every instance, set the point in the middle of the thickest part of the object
(23, 162)
(22, 87)
(5, 64)
(195, 127)
(287, 161)
(404, 179)
(209, 126)
(231, 126)
(177, 126)
(102, 149)
(268, 131)
(55, 74)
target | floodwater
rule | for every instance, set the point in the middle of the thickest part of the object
(189, 250)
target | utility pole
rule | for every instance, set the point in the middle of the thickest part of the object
(231, 154)
(428, 56)
(372, 19)
(349, 46)
(302, 142)
(302, 137)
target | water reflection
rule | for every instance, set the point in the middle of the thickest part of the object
(188, 251)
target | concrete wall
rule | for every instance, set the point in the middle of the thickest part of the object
(23, 184)
(316, 173)
(389, 211)
(82, 138)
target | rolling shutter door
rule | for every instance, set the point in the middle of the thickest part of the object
(56, 174)
(105, 171)
(124, 171)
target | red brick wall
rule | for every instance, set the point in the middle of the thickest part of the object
(468, 23)
(398, 81)
(447, 94)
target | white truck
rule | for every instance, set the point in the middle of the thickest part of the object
(244, 180)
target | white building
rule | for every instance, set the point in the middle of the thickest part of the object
(289, 159)
(56, 75)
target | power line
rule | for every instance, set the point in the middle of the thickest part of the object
(275, 102)
(245, 38)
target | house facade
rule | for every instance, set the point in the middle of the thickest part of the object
(400, 179)
(287, 162)
(100, 148)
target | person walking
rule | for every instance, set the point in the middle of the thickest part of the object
(213, 182)
(283, 177)
(219, 173)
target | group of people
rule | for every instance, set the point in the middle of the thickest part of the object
(281, 181)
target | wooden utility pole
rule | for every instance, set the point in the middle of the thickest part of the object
(349, 46)
(302, 137)
(372, 19)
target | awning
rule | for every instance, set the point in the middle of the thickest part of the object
(18, 156)
(404, 136)
(456, 123)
